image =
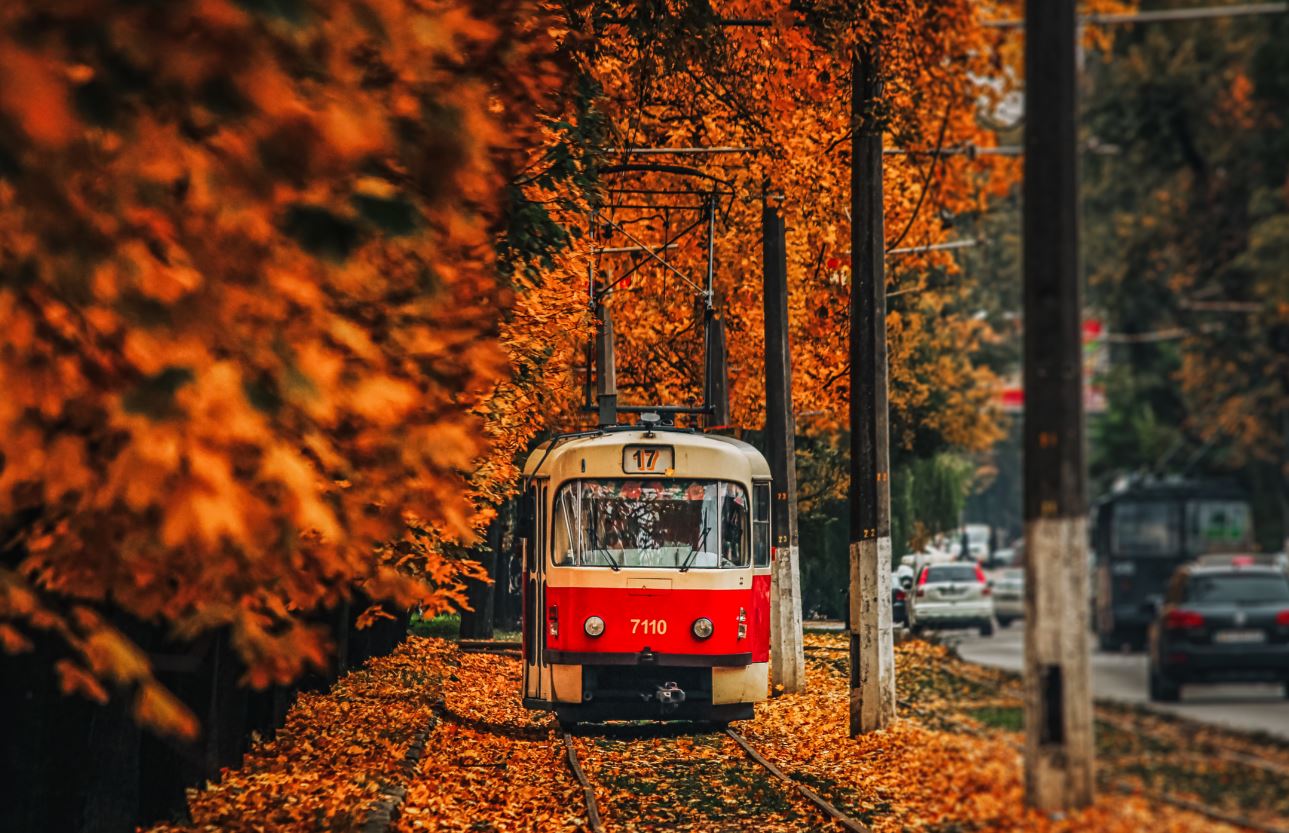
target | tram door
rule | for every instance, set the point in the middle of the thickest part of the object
(536, 669)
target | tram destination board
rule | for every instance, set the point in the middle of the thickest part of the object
(648, 459)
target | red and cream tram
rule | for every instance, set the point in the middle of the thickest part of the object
(646, 575)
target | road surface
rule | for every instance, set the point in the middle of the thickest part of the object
(1122, 677)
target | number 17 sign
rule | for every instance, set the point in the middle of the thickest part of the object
(648, 459)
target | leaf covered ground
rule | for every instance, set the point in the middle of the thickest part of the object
(948, 765)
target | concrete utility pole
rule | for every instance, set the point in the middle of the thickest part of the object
(787, 653)
(872, 648)
(1058, 701)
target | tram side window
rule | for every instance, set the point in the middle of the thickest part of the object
(1146, 528)
(734, 517)
(761, 525)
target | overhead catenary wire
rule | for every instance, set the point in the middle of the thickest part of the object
(926, 180)
(1159, 15)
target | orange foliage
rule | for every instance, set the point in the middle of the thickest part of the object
(256, 348)
(250, 325)
(673, 77)
(783, 90)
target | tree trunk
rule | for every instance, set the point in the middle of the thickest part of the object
(477, 623)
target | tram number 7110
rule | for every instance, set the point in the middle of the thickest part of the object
(649, 627)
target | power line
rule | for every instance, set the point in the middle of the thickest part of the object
(971, 151)
(935, 247)
(1160, 16)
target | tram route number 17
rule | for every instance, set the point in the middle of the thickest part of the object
(644, 459)
(649, 627)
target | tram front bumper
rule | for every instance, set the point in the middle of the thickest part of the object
(662, 689)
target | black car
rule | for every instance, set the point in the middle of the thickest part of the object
(1220, 623)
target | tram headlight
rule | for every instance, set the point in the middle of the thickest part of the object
(594, 626)
(702, 627)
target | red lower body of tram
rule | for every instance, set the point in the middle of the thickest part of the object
(688, 646)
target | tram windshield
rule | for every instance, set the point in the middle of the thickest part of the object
(667, 524)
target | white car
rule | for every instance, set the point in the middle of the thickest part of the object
(1009, 595)
(952, 596)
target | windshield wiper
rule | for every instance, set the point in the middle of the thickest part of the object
(689, 556)
(608, 556)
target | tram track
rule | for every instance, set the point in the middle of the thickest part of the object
(810, 795)
(595, 815)
(588, 792)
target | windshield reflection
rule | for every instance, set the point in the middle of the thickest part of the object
(669, 524)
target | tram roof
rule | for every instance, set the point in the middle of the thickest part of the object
(728, 449)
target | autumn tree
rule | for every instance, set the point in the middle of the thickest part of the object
(254, 337)
(1199, 384)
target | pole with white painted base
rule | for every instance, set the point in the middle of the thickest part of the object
(787, 653)
(872, 651)
(1058, 702)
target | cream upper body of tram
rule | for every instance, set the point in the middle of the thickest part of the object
(646, 576)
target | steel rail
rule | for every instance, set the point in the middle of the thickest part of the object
(592, 809)
(813, 797)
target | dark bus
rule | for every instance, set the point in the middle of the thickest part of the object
(1143, 532)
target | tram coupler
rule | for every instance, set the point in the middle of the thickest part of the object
(669, 696)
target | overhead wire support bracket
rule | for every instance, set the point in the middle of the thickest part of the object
(612, 250)
(684, 151)
(645, 249)
(672, 243)
(713, 192)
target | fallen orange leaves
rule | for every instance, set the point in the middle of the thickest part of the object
(490, 764)
(336, 755)
(490, 761)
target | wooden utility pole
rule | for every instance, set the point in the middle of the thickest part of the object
(1058, 701)
(606, 372)
(787, 653)
(872, 650)
(716, 373)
